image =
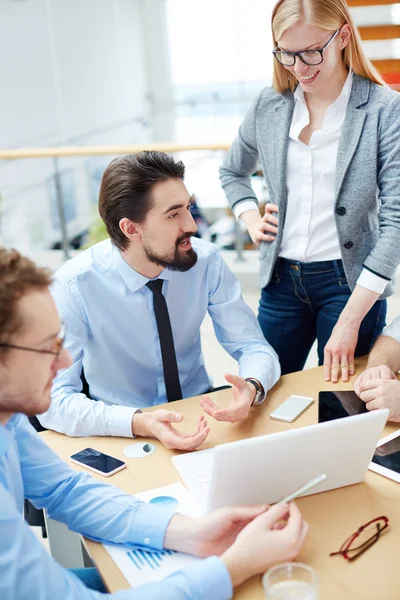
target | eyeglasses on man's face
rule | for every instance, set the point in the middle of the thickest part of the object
(58, 345)
(362, 539)
(308, 57)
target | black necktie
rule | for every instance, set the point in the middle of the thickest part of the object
(171, 374)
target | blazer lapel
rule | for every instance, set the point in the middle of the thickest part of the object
(280, 142)
(352, 128)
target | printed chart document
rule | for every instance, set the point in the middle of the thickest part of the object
(143, 566)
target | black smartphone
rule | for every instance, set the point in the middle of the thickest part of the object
(96, 461)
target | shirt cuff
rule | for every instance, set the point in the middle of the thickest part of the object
(264, 382)
(120, 420)
(241, 207)
(372, 282)
(210, 578)
(267, 379)
(153, 520)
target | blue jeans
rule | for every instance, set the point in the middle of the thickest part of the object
(302, 303)
(91, 578)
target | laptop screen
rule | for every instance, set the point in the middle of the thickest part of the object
(338, 404)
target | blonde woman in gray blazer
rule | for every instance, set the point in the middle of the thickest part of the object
(327, 135)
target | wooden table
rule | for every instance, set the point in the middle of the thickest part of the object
(333, 515)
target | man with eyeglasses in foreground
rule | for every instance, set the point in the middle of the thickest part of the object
(248, 540)
(378, 385)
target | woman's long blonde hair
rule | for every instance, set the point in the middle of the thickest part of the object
(329, 15)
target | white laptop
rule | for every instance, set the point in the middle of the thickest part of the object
(265, 469)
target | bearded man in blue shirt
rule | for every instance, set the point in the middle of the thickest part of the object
(133, 306)
(236, 543)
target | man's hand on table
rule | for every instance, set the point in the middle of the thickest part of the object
(159, 424)
(243, 393)
(249, 539)
(378, 372)
(382, 393)
(378, 387)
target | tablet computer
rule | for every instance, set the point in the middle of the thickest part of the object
(386, 460)
(338, 404)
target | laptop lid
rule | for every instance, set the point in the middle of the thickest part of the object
(267, 468)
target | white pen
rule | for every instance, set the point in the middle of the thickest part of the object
(304, 488)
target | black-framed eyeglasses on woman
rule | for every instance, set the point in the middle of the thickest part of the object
(362, 539)
(308, 57)
(59, 344)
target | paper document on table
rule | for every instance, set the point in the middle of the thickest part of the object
(195, 470)
(141, 566)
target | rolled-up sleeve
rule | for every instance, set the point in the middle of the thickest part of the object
(372, 282)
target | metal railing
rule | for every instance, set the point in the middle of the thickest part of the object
(63, 151)
(59, 152)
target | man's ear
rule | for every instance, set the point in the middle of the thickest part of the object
(130, 229)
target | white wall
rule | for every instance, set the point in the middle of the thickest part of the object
(72, 71)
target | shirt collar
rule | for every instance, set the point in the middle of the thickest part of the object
(6, 434)
(132, 279)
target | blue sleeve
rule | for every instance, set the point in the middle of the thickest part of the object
(237, 328)
(28, 571)
(98, 511)
(71, 412)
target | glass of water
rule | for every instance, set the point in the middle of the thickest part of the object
(291, 581)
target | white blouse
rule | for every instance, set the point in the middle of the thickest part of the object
(310, 231)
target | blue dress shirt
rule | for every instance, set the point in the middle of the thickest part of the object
(112, 333)
(28, 468)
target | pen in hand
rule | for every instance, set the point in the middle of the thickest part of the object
(303, 489)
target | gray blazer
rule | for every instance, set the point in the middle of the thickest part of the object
(367, 200)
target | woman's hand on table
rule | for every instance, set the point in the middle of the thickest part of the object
(339, 351)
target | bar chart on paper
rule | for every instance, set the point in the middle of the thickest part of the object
(142, 559)
(139, 565)
(142, 566)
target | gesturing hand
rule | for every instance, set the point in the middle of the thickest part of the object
(243, 393)
(158, 424)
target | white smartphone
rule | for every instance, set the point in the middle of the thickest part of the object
(98, 462)
(291, 408)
